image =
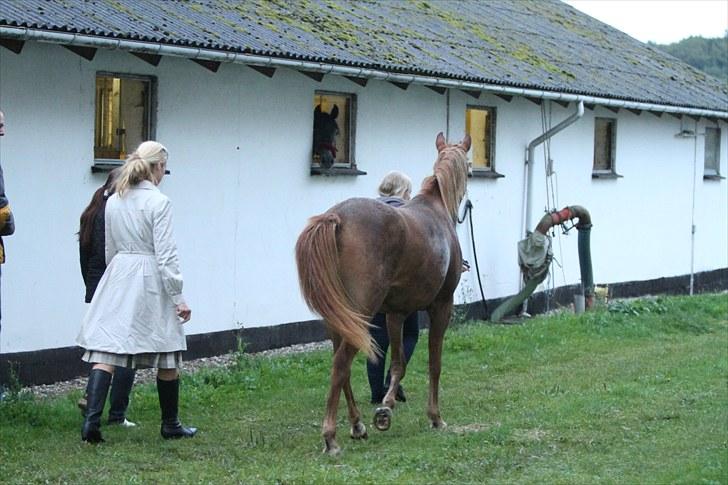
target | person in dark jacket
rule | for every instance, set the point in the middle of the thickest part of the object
(91, 245)
(395, 190)
(7, 223)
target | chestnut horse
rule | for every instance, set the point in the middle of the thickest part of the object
(362, 256)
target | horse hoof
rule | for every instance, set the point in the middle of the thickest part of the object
(383, 418)
(439, 424)
(331, 449)
(359, 431)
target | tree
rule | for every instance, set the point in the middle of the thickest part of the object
(708, 55)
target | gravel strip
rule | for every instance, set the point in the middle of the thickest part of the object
(149, 375)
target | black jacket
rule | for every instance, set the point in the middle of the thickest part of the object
(93, 257)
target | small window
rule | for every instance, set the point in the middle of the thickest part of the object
(124, 116)
(333, 133)
(712, 152)
(480, 125)
(605, 142)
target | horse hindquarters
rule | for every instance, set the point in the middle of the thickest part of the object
(319, 274)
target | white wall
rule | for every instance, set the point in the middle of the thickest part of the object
(239, 154)
(641, 221)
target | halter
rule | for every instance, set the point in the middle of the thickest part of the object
(329, 146)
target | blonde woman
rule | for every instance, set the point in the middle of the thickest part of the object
(395, 185)
(136, 314)
(395, 190)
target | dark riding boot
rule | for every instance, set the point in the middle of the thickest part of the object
(119, 397)
(375, 370)
(169, 403)
(98, 388)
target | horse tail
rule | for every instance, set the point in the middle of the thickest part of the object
(317, 258)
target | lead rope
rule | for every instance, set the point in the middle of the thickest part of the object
(469, 212)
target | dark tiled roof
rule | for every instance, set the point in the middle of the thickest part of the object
(544, 44)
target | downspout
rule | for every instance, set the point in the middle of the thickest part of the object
(529, 162)
(64, 38)
(692, 211)
(528, 185)
(447, 114)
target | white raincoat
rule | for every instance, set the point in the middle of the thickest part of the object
(133, 310)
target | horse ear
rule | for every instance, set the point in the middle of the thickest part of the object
(440, 142)
(466, 143)
(335, 112)
(317, 110)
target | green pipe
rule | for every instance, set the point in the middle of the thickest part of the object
(513, 302)
(585, 265)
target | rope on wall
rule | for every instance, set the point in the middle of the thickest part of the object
(468, 211)
(552, 201)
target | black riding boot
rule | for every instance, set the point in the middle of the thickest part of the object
(169, 403)
(98, 388)
(119, 396)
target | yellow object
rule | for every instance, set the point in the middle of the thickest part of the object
(601, 293)
(4, 215)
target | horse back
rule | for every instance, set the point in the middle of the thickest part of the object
(396, 259)
(431, 258)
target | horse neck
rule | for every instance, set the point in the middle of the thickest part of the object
(433, 195)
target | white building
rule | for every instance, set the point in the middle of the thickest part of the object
(647, 158)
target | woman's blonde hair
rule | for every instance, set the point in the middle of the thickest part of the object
(138, 165)
(395, 184)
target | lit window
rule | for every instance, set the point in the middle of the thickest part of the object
(605, 142)
(333, 127)
(712, 152)
(124, 116)
(480, 125)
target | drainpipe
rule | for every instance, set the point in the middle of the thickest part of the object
(64, 38)
(692, 210)
(528, 184)
(528, 189)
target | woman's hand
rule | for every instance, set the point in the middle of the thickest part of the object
(183, 312)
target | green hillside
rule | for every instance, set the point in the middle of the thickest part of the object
(708, 55)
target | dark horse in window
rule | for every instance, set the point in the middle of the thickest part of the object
(325, 131)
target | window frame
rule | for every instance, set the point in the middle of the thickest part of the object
(611, 171)
(150, 124)
(712, 173)
(486, 172)
(352, 168)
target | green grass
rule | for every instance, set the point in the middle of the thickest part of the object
(636, 392)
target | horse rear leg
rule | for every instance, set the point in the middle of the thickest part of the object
(398, 365)
(358, 430)
(340, 374)
(439, 319)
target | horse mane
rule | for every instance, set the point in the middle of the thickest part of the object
(450, 177)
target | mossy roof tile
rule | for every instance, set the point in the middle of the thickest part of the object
(543, 44)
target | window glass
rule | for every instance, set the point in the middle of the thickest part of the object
(122, 115)
(480, 125)
(604, 143)
(712, 151)
(332, 130)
